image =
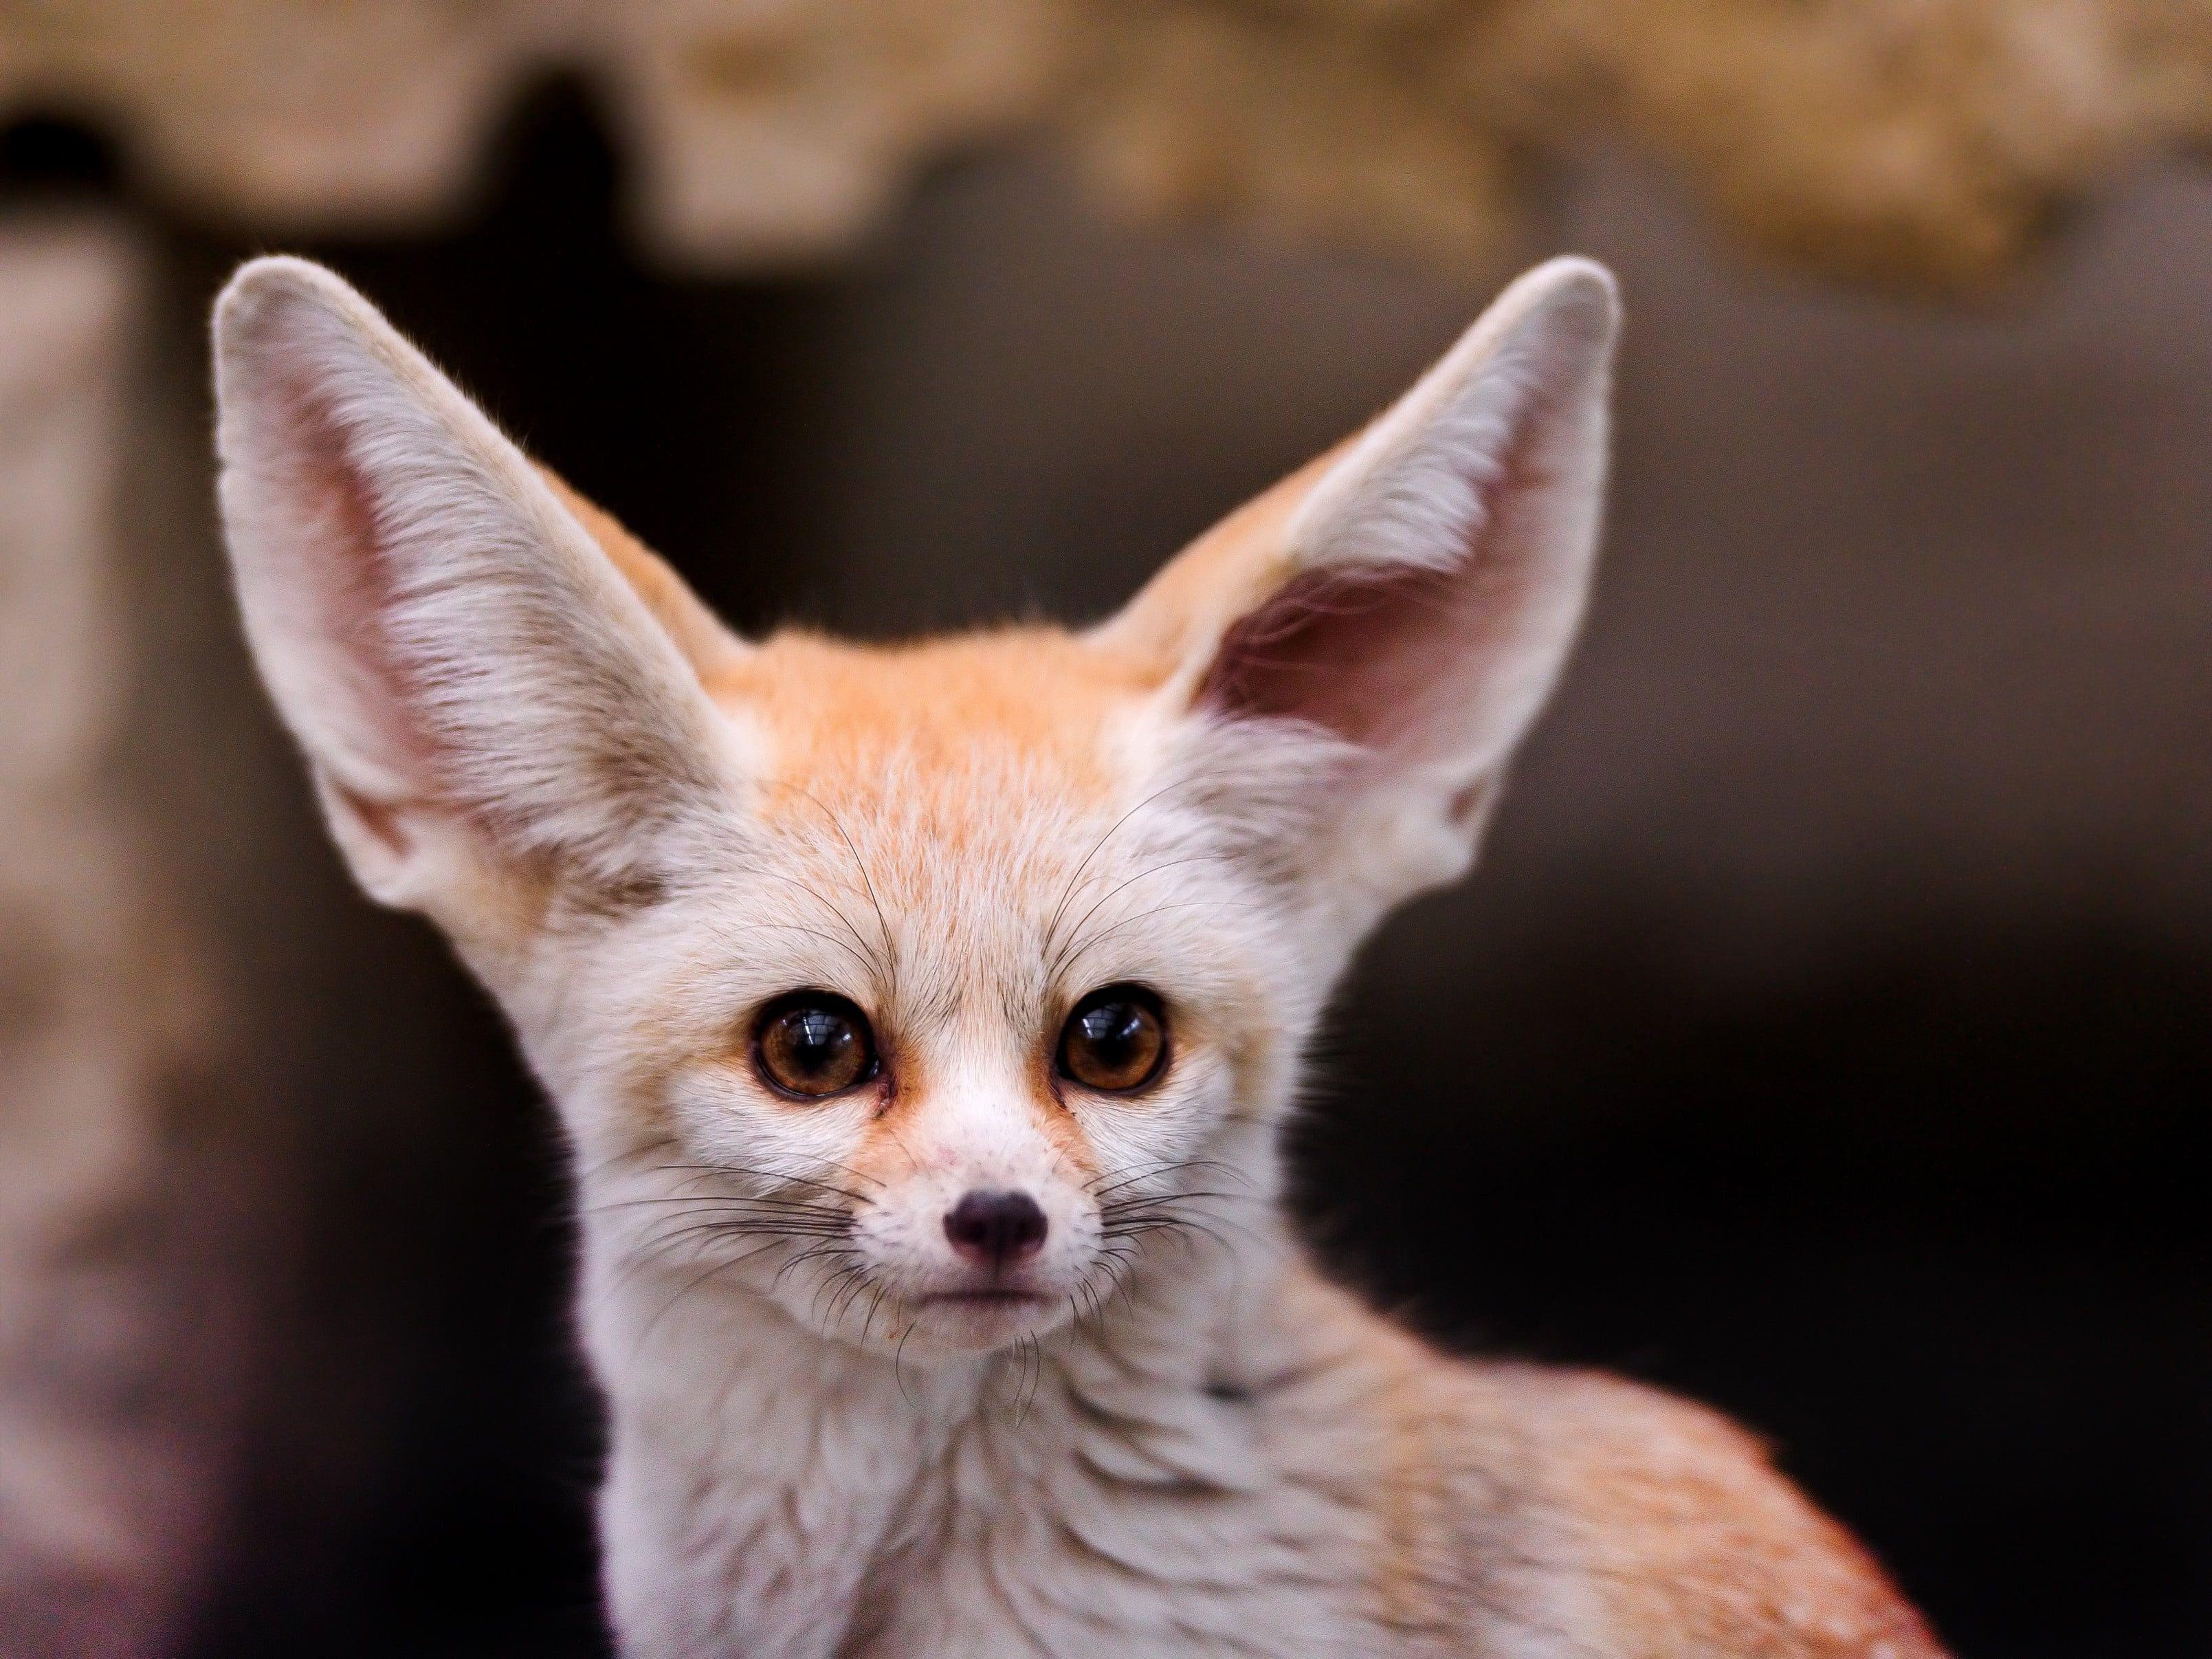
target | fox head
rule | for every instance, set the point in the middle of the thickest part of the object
(923, 990)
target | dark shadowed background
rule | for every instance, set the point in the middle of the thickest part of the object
(1825, 1033)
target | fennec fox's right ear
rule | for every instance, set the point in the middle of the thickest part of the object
(445, 630)
(1409, 597)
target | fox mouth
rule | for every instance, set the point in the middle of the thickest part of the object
(985, 1296)
(979, 1318)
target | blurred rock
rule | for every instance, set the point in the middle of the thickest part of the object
(1919, 142)
(119, 1355)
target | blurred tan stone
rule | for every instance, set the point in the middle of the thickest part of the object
(1927, 141)
(110, 1396)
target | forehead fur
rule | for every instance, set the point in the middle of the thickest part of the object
(990, 818)
(941, 725)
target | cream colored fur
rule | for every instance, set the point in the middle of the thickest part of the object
(640, 830)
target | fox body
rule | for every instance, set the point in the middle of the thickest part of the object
(923, 1019)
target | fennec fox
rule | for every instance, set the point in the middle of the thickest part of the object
(923, 1020)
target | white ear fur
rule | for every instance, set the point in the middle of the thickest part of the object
(467, 672)
(1411, 598)
(1505, 439)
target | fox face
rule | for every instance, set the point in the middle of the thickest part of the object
(1007, 979)
(938, 994)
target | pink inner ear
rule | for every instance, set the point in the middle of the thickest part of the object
(345, 587)
(1418, 659)
(1354, 652)
(1403, 659)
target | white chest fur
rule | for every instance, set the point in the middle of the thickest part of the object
(773, 1493)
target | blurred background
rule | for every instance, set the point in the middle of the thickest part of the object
(1830, 1024)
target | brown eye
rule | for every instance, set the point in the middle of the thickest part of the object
(813, 1044)
(1116, 1042)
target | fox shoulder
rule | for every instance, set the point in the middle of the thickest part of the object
(1687, 1539)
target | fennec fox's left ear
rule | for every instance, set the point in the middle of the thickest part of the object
(1410, 596)
(484, 673)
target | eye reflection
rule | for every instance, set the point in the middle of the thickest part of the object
(813, 1044)
(1116, 1042)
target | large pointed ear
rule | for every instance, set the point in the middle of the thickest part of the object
(1409, 597)
(481, 668)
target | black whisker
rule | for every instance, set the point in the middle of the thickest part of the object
(1062, 958)
(1074, 952)
(1067, 894)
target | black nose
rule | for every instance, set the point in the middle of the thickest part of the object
(994, 1229)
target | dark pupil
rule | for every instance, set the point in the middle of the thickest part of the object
(816, 1041)
(1115, 1033)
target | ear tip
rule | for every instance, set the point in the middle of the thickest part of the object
(1577, 268)
(262, 290)
(1574, 282)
